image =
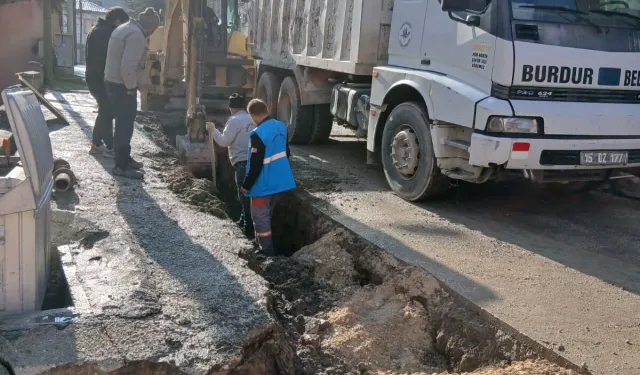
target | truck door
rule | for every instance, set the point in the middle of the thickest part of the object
(405, 39)
(459, 50)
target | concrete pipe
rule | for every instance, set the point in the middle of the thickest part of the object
(63, 179)
(60, 163)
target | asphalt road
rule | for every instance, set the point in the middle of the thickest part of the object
(562, 268)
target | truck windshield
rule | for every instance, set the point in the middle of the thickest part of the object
(599, 13)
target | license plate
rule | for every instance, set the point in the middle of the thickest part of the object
(604, 157)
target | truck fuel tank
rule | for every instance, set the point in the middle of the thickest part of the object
(350, 104)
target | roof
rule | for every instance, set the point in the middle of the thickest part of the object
(88, 6)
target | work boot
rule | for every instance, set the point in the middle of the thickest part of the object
(240, 223)
(101, 150)
(135, 164)
(266, 246)
(129, 173)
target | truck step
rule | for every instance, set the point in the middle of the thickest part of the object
(463, 145)
(459, 174)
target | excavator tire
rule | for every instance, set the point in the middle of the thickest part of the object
(299, 118)
(427, 181)
(267, 90)
(322, 124)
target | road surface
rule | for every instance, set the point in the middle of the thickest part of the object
(563, 269)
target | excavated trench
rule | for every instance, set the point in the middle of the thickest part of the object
(343, 305)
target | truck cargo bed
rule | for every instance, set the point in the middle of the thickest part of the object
(347, 36)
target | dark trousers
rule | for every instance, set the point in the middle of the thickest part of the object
(261, 213)
(245, 203)
(125, 107)
(103, 127)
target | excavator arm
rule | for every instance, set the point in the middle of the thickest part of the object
(196, 112)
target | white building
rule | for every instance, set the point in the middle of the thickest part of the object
(87, 15)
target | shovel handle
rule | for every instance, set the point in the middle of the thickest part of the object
(214, 161)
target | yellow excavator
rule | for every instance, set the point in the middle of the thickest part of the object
(196, 60)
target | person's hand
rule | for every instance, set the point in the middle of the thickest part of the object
(210, 126)
(244, 191)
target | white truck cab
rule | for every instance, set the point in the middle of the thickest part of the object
(476, 89)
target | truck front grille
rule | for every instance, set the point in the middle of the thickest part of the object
(565, 94)
(571, 157)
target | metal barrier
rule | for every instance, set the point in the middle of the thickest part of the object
(26, 185)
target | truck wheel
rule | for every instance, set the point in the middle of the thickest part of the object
(322, 124)
(407, 155)
(298, 118)
(267, 90)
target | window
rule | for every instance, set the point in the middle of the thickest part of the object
(232, 16)
(598, 13)
(479, 5)
(476, 6)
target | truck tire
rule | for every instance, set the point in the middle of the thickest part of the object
(408, 159)
(267, 90)
(299, 118)
(322, 124)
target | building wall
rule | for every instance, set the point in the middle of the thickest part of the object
(89, 19)
(20, 26)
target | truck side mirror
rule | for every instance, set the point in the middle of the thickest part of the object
(455, 5)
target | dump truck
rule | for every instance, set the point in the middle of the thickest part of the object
(204, 56)
(465, 90)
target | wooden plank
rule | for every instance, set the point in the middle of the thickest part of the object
(214, 161)
(44, 101)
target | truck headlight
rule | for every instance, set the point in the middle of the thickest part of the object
(522, 125)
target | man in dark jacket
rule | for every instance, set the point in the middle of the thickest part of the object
(96, 57)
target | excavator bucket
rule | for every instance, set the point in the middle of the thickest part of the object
(195, 156)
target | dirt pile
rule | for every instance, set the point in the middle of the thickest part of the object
(199, 192)
(355, 310)
(267, 352)
(520, 368)
(375, 326)
(380, 329)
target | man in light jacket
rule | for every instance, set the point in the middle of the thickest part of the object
(124, 75)
(236, 137)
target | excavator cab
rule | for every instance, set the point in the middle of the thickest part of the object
(227, 66)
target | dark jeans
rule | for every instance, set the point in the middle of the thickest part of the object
(245, 202)
(103, 127)
(125, 107)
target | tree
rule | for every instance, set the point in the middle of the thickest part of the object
(135, 7)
